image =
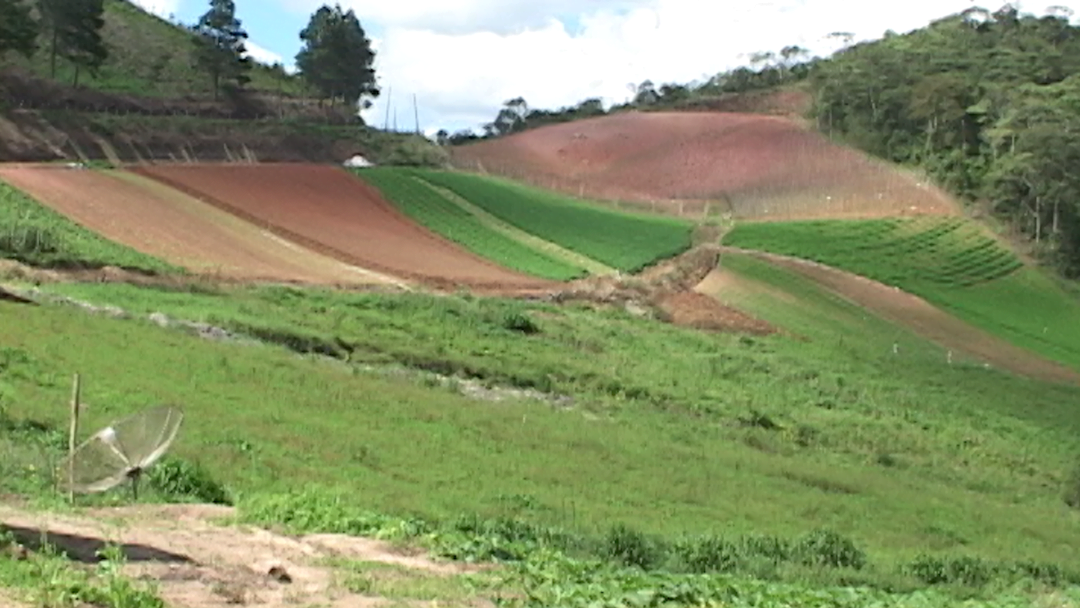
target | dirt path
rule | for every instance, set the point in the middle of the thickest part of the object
(925, 319)
(167, 224)
(198, 564)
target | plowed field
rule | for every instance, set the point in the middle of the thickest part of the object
(156, 220)
(325, 208)
(752, 166)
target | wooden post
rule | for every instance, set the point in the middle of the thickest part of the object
(75, 390)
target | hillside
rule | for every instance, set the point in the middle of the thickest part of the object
(411, 386)
(704, 163)
(148, 102)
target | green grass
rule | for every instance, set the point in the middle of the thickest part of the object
(891, 453)
(38, 236)
(951, 263)
(918, 252)
(442, 216)
(149, 56)
(624, 241)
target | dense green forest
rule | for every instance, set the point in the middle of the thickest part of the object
(987, 102)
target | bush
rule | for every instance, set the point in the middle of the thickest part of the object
(631, 548)
(177, 480)
(827, 548)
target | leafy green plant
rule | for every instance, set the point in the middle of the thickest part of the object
(432, 210)
(624, 241)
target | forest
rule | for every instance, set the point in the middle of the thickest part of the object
(987, 102)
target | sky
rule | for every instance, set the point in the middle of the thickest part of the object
(462, 59)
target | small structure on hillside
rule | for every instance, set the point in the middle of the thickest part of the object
(358, 160)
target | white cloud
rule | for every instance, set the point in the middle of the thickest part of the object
(261, 54)
(163, 8)
(459, 17)
(461, 80)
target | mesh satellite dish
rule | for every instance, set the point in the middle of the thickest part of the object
(121, 451)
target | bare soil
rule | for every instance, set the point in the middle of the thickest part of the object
(693, 163)
(156, 220)
(199, 564)
(327, 210)
(922, 317)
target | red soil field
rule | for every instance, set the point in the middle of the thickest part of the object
(689, 163)
(330, 211)
(171, 226)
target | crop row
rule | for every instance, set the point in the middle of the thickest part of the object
(435, 212)
(943, 251)
(623, 241)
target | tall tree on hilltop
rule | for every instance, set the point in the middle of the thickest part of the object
(18, 30)
(337, 59)
(74, 28)
(219, 46)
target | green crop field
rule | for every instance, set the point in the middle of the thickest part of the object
(949, 262)
(952, 251)
(442, 216)
(34, 234)
(624, 241)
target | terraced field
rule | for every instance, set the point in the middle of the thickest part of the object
(624, 241)
(951, 263)
(901, 252)
(438, 214)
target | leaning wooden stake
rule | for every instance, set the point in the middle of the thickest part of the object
(75, 390)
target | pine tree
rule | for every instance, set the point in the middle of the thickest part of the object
(219, 46)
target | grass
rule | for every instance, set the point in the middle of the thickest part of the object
(627, 242)
(149, 55)
(434, 211)
(38, 236)
(47, 578)
(804, 435)
(951, 263)
(705, 467)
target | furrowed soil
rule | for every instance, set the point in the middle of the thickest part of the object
(199, 564)
(151, 218)
(701, 163)
(330, 211)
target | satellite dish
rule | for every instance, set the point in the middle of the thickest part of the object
(121, 451)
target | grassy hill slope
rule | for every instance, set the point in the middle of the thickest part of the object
(149, 102)
(149, 55)
(954, 264)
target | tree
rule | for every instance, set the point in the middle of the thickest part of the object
(219, 46)
(75, 33)
(18, 30)
(337, 59)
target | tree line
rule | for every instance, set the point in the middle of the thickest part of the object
(335, 62)
(987, 102)
(767, 69)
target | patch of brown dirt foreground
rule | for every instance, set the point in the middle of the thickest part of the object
(924, 318)
(199, 564)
